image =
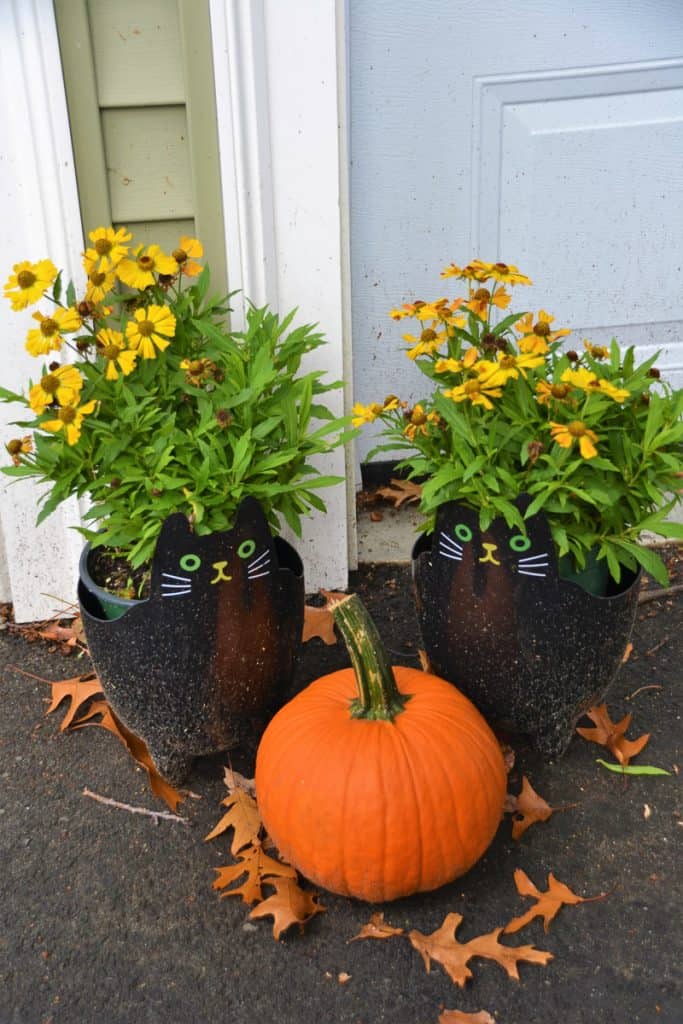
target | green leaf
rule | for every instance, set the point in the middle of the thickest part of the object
(632, 769)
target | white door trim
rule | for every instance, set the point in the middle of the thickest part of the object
(280, 73)
(40, 218)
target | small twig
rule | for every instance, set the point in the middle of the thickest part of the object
(656, 647)
(659, 592)
(166, 815)
(652, 686)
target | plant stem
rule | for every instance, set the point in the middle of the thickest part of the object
(378, 693)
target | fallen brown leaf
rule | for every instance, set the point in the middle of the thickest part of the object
(549, 903)
(377, 928)
(257, 866)
(135, 747)
(454, 956)
(610, 735)
(399, 492)
(458, 1017)
(79, 690)
(233, 780)
(289, 904)
(528, 808)
(243, 817)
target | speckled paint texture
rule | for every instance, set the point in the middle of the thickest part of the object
(531, 650)
(213, 647)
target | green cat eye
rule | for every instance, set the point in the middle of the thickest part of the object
(463, 532)
(190, 562)
(520, 543)
(246, 548)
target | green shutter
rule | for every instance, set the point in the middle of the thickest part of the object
(140, 92)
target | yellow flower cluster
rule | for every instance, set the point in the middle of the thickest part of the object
(148, 330)
(476, 362)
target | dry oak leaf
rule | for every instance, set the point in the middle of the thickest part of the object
(289, 904)
(458, 1017)
(527, 808)
(233, 780)
(242, 816)
(377, 928)
(610, 735)
(79, 690)
(318, 621)
(401, 491)
(257, 866)
(549, 903)
(453, 956)
(135, 747)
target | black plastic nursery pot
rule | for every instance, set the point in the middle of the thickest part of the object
(532, 650)
(214, 646)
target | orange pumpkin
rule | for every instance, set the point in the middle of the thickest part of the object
(378, 782)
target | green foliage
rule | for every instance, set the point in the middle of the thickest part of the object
(594, 439)
(215, 417)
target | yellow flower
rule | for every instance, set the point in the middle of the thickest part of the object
(428, 342)
(108, 247)
(70, 420)
(365, 413)
(150, 327)
(112, 347)
(100, 282)
(470, 272)
(482, 299)
(390, 403)
(139, 272)
(618, 394)
(596, 351)
(556, 392)
(29, 282)
(188, 250)
(456, 365)
(538, 335)
(48, 336)
(62, 385)
(515, 365)
(418, 420)
(567, 433)
(19, 446)
(481, 389)
(580, 378)
(406, 310)
(506, 273)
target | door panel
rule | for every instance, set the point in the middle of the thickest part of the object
(553, 141)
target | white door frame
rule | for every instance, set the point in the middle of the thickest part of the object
(280, 74)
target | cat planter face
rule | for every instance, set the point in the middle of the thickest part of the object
(214, 645)
(531, 650)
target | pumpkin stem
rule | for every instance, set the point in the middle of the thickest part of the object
(378, 692)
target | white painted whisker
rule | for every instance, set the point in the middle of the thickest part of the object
(177, 593)
(256, 562)
(170, 576)
(453, 544)
(257, 575)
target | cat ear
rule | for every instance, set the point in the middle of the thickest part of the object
(174, 533)
(250, 516)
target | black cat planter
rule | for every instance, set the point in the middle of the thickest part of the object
(211, 649)
(533, 651)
